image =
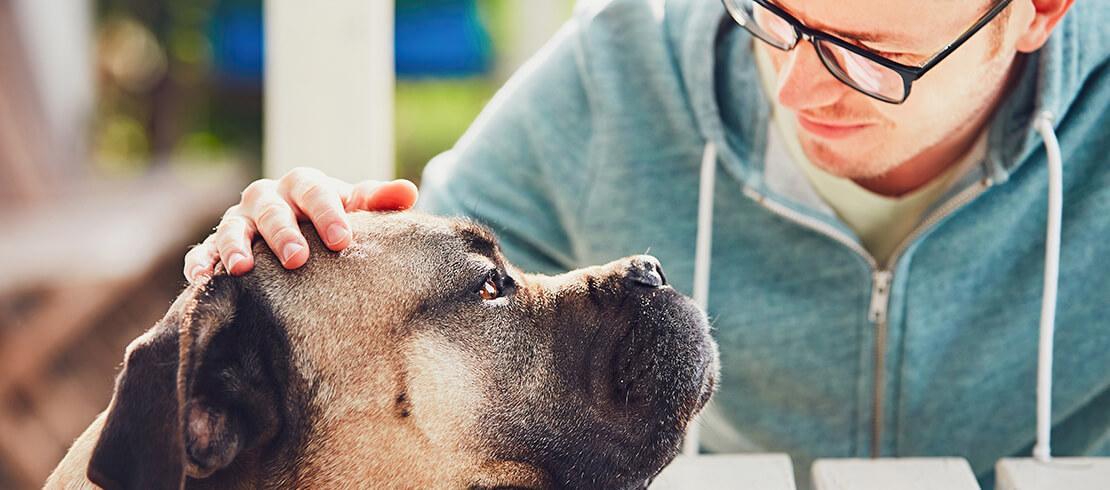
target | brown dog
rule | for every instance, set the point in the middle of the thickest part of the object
(416, 358)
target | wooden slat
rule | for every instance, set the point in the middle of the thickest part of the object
(894, 473)
(112, 230)
(1057, 473)
(25, 445)
(89, 254)
(65, 406)
(727, 471)
(62, 319)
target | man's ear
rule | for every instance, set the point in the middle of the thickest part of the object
(1046, 14)
(196, 391)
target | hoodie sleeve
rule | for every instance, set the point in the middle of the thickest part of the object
(520, 167)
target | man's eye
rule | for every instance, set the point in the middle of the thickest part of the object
(490, 290)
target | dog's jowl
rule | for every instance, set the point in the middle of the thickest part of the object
(416, 358)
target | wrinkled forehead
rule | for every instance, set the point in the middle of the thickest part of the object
(394, 260)
(348, 304)
(416, 241)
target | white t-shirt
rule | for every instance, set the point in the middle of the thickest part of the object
(881, 222)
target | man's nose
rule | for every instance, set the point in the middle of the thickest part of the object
(804, 82)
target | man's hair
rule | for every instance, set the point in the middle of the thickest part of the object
(998, 28)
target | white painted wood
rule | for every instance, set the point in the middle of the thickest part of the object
(532, 24)
(894, 473)
(58, 37)
(329, 88)
(727, 471)
(1057, 473)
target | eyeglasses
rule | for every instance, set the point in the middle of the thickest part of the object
(859, 68)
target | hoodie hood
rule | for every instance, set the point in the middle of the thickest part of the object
(1051, 79)
(591, 152)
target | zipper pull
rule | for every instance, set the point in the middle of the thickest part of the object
(880, 294)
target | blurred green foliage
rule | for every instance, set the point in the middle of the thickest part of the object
(160, 98)
(431, 115)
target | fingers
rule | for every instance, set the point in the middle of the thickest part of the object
(318, 198)
(272, 208)
(200, 260)
(233, 241)
(372, 195)
(275, 219)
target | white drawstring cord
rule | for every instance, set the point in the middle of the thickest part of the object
(1043, 124)
(702, 251)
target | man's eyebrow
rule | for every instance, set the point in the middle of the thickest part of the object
(873, 37)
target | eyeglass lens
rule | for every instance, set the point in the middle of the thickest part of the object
(851, 68)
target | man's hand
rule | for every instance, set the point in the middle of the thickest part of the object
(273, 207)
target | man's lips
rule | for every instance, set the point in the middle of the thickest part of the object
(831, 129)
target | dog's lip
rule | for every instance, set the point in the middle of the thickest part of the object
(631, 361)
(629, 356)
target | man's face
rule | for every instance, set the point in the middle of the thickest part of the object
(870, 137)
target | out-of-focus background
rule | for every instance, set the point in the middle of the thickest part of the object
(128, 126)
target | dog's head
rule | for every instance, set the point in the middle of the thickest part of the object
(416, 358)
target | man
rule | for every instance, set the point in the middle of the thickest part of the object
(877, 251)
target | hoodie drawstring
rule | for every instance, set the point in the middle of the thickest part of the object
(703, 248)
(1043, 125)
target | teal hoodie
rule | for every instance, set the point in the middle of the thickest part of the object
(592, 152)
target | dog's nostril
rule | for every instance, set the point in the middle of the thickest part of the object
(646, 271)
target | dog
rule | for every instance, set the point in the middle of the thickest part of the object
(418, 358)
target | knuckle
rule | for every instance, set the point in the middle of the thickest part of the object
(317, 195)
(228, 244)
(367, 187)
(257, 189)
(233, 212)
(274, 213)
(363, 191)
(300, 174)
(287, 234)
(230, 224)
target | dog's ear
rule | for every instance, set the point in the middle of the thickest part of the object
(196, 391)
(140, 443)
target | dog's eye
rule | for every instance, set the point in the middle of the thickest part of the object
(490, 290)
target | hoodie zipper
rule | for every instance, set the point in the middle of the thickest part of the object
(881, 279)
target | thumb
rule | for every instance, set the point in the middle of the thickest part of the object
(372, 195)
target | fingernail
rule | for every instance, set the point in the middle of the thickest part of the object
(290, 250)
(336, 233)
(234, 259)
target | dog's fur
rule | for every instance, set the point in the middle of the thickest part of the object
(382, 367)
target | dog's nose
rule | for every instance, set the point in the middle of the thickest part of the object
(645, 271)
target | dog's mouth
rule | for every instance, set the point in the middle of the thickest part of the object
(642, 364)
(654, 372)
(663, 362)
(629, 366)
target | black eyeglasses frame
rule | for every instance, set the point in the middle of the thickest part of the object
(909, 73)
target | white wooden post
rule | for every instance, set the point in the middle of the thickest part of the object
(57, 35)
(329, 87)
